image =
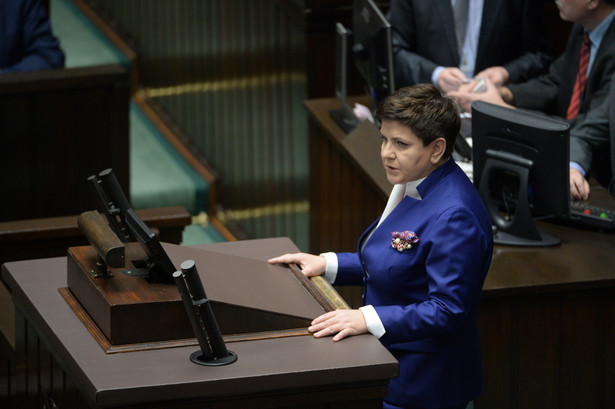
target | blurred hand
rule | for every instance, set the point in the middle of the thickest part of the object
(465, 96)
(579, 187)
(498, 75)
(341, 323)
(450, 79)
(310, 264)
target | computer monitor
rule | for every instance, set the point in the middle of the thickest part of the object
(521, 169)
(345, 116)
(372, 50)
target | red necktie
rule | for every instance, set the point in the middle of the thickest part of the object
(579, 85)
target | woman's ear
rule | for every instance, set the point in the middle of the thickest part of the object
(438, 147)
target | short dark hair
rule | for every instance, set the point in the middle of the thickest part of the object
(428, 112)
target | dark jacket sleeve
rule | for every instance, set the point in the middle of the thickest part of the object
(541, 93)
(550, 93)
(29, 43)
(590, 140)
(534, 52)
(411, 66)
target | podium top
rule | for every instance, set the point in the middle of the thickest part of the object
(158, 375)
(247, 282)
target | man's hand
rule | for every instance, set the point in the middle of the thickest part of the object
(498, 75)
(450, 79)
(465, 96)
(579, 188)
(341, 323)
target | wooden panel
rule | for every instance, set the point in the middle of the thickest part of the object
(59, 127)
(537, 353)
(50, 237)
(549, 350)
(36, 378)
(496, 335)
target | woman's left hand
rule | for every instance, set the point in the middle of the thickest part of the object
(342, 323)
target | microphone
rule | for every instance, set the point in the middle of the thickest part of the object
(213, 349)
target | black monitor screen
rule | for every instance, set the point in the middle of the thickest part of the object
(344, 117)
(343, 36)
(521, 169)
(372, 49)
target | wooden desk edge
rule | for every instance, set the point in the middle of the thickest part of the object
(66, 226)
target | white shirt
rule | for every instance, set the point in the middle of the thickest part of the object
(470, 42)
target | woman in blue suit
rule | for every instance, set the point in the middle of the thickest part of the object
(422, 263)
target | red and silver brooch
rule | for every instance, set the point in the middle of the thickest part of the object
(404, 240)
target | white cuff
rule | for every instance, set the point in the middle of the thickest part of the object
(578, 167)
(374, 325)
(331, 267)
(435, 74)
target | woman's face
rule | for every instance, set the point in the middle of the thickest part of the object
(403, 154)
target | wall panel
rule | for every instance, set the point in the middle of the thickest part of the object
(231, 75)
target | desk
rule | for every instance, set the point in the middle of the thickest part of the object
(71, 368)
(50, 237)
(547, 314)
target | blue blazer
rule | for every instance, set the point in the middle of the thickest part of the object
(427, 297)
(26, 42)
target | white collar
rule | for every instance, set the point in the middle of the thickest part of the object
(397, 195)
(411, 189)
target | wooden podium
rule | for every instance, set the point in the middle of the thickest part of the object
(250, 298)
(66, 366)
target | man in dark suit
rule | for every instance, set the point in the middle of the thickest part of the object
(592, 149)
(551, 93)
(505, 40)
(26, 42)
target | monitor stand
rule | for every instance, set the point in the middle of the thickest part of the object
(519, 230)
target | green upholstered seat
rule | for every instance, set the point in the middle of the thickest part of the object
(159, 176)
(201, 234)
(83, 43)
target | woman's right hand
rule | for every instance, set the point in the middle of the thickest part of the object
(310, 264)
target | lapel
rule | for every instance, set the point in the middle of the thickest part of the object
(491, 9)
(378, 236)
(445, 10)
(606, 49)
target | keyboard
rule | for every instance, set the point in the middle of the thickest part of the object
(592, 216)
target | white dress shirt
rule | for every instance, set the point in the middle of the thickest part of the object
(470, 42)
